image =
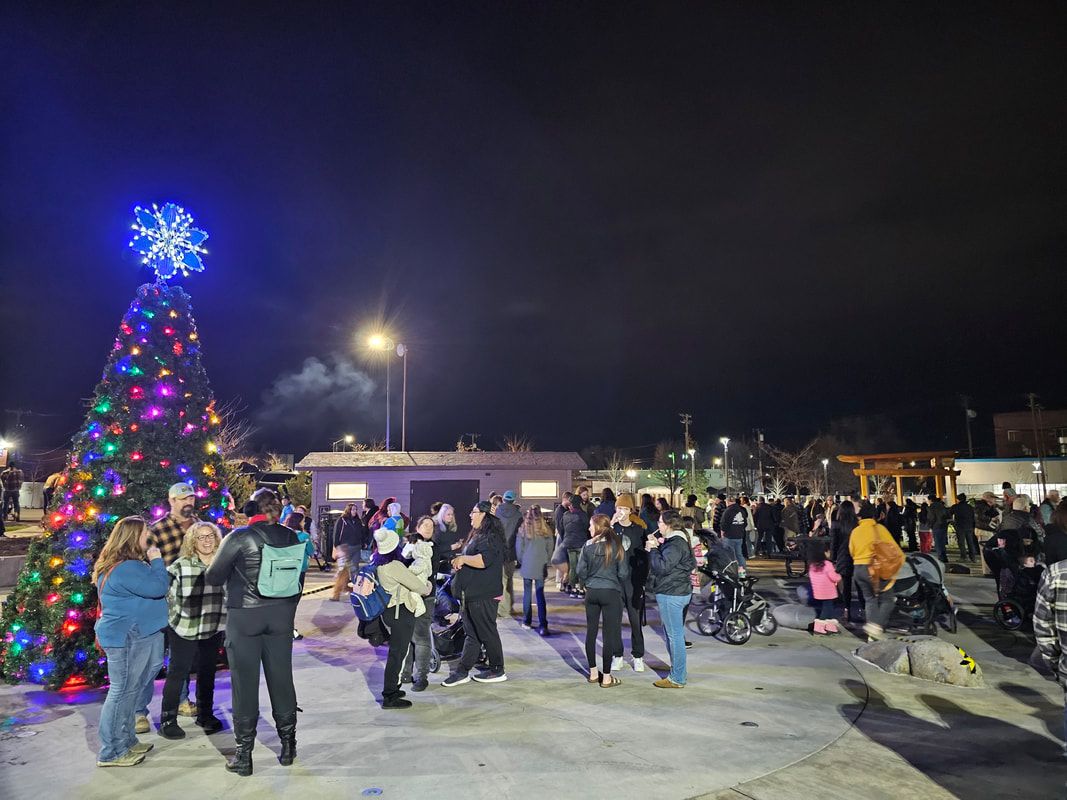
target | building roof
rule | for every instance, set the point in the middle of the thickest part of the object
(442, 460)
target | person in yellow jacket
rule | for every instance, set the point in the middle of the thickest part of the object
(878, 596)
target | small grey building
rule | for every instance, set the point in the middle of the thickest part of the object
(417, 480)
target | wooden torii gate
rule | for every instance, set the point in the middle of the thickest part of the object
(920, 464)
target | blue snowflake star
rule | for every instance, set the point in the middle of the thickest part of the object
(168, 241)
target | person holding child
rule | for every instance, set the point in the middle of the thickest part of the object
(420, 555)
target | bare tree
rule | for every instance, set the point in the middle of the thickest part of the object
(275, 463)
(616, 468)
(778, 486)
(517, 443)
(795, 468)
(666, 467)
(234, 430)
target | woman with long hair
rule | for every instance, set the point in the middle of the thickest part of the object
(607, 503)
(534, 545)
(197, 620)
(663, 504)
(478, 587)
(131, 583)
(840, 531)
(648, 512)
(603, 570)
(446, 537)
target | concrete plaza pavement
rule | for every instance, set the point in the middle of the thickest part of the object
(781, 717)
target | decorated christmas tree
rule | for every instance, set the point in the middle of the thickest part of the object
(149, 425)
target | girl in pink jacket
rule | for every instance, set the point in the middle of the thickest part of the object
(824, 580)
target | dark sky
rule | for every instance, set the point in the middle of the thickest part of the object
(582, 219)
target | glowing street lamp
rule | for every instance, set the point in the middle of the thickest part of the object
(348, 440)
(382, 342)
(725, 442)
(825, 476)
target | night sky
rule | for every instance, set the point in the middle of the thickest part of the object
(581, 219)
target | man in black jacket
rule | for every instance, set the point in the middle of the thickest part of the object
(259, 629)
(963, 519)
(511, 517)
(735, 528)
(764, 519)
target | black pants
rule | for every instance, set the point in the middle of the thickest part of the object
(479, 625)
(606, 603)
(401, 624)
(847, 589)
(968, 543)
(779, 538)
(909, 529)
(633, 600)
(183, 652)
(256, 636)
(766, 543)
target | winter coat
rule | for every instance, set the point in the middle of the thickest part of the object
(839, 552)
(1055, 544)
(607, 508)
(596, 571)
(938, 515)
(791, 519)
(670, 566)
(764, 516)
(511, 517)
(533, 554)
(734, 522)
(963, 516)
(575, 529)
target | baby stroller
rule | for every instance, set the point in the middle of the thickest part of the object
(1018, 597)
(733, 607)
(921, 594)
(446, 628)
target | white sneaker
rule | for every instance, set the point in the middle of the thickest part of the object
(617, 663)
(639, 665)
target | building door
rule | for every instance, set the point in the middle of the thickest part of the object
(461, 495)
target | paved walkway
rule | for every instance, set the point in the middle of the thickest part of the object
(781, 717)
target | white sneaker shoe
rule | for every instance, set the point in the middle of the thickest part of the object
(617, 663)
(639, 665)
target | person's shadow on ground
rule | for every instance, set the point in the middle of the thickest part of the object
(1014, 762)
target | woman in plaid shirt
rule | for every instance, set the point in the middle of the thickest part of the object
(197, 623)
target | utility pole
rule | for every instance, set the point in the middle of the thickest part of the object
(686, 420)
(1038, 444)
(759, 457)
(968, 415)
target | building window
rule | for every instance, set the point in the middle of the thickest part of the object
(539, 489)
(1013, 436)
(346, 491)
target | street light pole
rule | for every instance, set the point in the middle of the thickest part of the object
(825, 475)
(725, 441)
(402, 351)
(387, 404)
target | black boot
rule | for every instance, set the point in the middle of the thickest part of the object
(244, 733)
(205, 701)
(168, 727)
(287, 734)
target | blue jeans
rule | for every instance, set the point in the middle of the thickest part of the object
(738, 546)
(671, 608)
(542, 609)
(941, 544)
(129, 670)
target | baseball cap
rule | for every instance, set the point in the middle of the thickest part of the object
(509, 495)
(178, 490)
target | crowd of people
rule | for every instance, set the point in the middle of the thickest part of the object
(186, 586)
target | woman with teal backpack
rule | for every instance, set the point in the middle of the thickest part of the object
(261, 567)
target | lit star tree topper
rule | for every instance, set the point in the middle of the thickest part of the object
(167, 240)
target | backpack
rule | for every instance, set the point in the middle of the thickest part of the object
(886, 560)
(279, 568)
(368, 597)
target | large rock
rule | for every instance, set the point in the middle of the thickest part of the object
(942, 662)
(890, 655)
(791, 615)
(925, 657)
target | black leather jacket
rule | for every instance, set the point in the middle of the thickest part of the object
(236, 564)
(670, 566)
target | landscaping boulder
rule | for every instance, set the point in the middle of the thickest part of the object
(924, 657)
(792, 615)
(890, 655)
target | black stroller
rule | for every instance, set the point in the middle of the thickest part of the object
(921, 594)
(446, 629)
(732, 606)
(1018, 597)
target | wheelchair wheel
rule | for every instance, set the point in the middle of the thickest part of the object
(1009, 615)
(708, 622)
(737, 628)
(763, 622)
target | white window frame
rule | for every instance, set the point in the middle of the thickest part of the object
(533, 491)
(347, 490)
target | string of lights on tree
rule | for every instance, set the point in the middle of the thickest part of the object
(148, 425)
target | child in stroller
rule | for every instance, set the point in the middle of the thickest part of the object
(1018, 592)
(446, 629)
(732, 606)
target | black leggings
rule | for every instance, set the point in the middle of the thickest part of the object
(609, 603)
(182, 654)
(633, 601)
(262, 635)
